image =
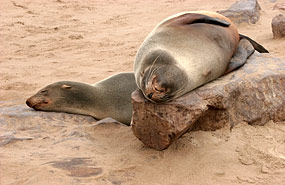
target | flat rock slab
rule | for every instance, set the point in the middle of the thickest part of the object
(243, 11)
(22, 112)
(254, 94)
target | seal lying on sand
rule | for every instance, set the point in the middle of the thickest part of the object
(110, 97)
(187, 50)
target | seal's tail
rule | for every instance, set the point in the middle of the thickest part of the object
(256, 46)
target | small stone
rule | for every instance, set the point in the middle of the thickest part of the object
(246, 179)
(246, 160)
(75, 37)
(220, 173)
(278, 26)
(264, 169)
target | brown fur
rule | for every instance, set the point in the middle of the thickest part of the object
(183, 53)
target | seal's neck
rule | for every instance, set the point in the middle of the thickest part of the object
(83, 100)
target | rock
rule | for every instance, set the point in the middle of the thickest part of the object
(6, 139)
(264, 169)
(278, 26)
(243, 11)
(252, 94)
(279, 6)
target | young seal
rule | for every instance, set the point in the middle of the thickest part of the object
(187, 50)
(110, 97)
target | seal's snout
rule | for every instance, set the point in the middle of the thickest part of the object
(29, 103)
(37, 103)
(155, 90)
(32, 102)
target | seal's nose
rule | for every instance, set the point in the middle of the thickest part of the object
(150, 95)
(29, 103)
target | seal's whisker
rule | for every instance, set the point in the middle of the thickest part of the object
(178, 91)
(154, 61)
(153, 71)
(149, 75)
(150, 69)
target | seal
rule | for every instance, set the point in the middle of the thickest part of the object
(110, 97)
(187, 50)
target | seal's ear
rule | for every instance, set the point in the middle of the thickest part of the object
(64, 86)
(193, 18)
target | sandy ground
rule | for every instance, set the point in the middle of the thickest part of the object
(42, 42)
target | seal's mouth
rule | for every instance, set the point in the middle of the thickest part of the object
(156, 96)
(36, 103)
(155, 91)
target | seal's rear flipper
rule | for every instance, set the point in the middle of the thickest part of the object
(244, 50)
(193, 18)
(256, 46)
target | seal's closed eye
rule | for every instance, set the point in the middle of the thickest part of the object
(44, 91)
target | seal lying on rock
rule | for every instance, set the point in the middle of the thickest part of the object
(187, 50)
(110, 97)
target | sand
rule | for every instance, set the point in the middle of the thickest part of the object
(42, 42)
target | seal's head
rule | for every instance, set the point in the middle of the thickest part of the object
(61, 96)
(163, 80)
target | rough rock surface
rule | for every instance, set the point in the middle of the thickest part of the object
(278, 26)
(279, 6)
(243, 11)
(252, 94)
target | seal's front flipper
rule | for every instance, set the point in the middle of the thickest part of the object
(193, 18)
(211, 20)
(256, 46)
(244, 50)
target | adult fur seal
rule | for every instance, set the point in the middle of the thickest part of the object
(187, 50)
(110, 97)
